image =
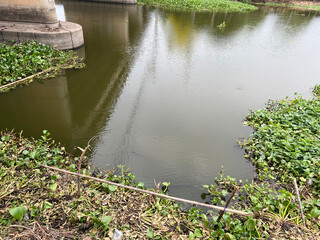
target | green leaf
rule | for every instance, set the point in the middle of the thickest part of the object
(150, 233)
(112, 188)
(224, 193)
(250, 224)
(106, 220)
(33, 154)
(140, 185)
(315, 213)
(48, 205)
(5, 138)
(198, 233)
(53, 186)
(191, 235)
(166, 184)
(18, 212)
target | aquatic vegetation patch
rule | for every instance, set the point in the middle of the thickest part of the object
(200, 5)
(286, 140)
(20, 61)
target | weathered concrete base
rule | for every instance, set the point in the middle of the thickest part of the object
(63, 35)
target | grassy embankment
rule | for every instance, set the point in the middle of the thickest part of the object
(200, 5)
(21, 62)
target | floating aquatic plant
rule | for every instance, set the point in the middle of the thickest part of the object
(200, 5)
(21, 60)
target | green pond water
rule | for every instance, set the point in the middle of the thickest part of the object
(165, 92)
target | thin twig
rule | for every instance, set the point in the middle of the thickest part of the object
(228, 202)
(79, 166)
(151, 193)
(18, 226)
(157, 185)
(299, 201)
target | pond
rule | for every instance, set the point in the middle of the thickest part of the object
(165, 92)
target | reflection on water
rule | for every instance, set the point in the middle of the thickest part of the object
(165, 92)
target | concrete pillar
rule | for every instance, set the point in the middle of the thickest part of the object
(34, 11)
(23, 20)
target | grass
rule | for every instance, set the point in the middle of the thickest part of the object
(21, 60)
(200, 5)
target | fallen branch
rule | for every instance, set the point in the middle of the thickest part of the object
(150, 192)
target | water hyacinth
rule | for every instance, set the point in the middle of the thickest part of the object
(20, 60)
(200, 5)
(286, 139)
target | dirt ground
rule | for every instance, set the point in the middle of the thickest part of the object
(305, 3)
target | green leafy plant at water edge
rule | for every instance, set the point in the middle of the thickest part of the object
(21, 60)
(316, 90)
(200, 5)
(286, 140)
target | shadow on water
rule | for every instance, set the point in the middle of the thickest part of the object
(165, 92)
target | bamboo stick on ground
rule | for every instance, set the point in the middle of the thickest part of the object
(152, 193)
(299, 201)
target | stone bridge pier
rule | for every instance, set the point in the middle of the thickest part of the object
(23, 20)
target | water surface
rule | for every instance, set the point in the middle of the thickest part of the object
(165, 92)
